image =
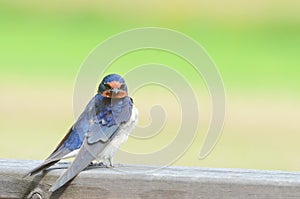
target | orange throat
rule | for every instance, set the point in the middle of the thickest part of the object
(109, 94)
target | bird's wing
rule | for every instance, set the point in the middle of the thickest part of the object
(98, 132)
(94, 142)
(75, 135)
(86, 155)
(92, 146)
(97, 138)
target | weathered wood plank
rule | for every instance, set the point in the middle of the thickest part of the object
(136, 181)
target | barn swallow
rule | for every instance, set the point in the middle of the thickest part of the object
(104, 125)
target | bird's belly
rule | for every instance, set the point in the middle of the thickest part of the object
(120, 137)
(113, 146)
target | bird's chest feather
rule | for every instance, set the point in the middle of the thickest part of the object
(113, 112)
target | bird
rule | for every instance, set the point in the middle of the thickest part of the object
(104, 125)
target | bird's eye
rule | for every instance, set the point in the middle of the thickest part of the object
(107, 86)
(122, 86)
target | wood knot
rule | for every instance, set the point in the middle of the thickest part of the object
(36, 194)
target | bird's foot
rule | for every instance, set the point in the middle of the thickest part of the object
(105, 164)
(97, 164)
(109, 166)
(110, 163)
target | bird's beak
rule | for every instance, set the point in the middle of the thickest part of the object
(115, 90)
(114, 93)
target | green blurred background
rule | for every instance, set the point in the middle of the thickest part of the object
(255, 44)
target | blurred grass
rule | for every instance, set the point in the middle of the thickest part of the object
(255, 46)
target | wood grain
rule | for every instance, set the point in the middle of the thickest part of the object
(139, 181)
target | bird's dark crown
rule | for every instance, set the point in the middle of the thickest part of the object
(113, 86)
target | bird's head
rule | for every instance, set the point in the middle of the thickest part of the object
(113, 86)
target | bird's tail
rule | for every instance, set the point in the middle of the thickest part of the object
(51, 160)
(80, 163)
(41, 167)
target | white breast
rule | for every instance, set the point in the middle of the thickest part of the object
(121, 136)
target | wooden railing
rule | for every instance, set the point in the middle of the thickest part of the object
(137, 181)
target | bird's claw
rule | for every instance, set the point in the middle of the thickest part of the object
(97, 164)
